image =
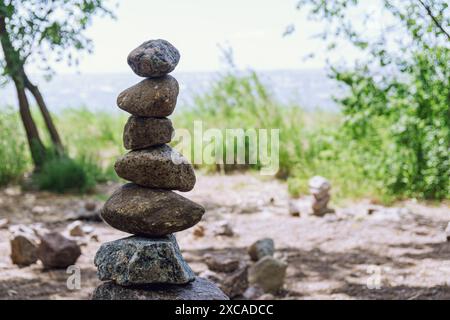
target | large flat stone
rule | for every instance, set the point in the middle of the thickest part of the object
(142, 132)
(150, 97)
(150, 212)
(159, 167)
(136, 261)
(199, 289)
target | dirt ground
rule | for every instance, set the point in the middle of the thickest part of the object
(357, 253)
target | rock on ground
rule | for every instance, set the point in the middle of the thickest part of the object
(154, 58)
(235, 284)
(223, 228)
(268, 273)
(75, 229)
(24, 248)
(261, 248)
(150, 97)
(158, 167)
(57, 251)
(221, 264)
(199, 289)
(150, 212)
(136, 260)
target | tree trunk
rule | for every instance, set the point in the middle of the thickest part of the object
(37, 148)
(14, 66)
(46, 115)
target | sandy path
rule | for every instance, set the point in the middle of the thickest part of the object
(404, 250)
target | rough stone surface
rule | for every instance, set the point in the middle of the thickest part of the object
(24, 248)
(150, 97)
(199, 289)
(319, 188)
(136, 261)
(57, 251)
(235, 284)
(158, 167)
(268, 273)
(221, 264)
(140, 132)
(153, 58)
(150, 212)
(261, 248)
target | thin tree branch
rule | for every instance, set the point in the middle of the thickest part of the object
(433, 17)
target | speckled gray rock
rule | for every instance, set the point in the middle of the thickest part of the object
(136, 260)
(268, 273)
(150, 212)
(158, 167)
(261, 248)
(140, 132)
(150, 97)
(153, 58)
(199, 289)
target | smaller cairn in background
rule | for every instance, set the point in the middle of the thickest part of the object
(319, 187)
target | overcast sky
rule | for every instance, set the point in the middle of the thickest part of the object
(253, 28)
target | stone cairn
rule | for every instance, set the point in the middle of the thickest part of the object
(319, 187)
(149, 264)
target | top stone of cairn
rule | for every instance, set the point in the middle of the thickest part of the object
(154, 58)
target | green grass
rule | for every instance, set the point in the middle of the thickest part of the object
(93, 140)
(14, 159)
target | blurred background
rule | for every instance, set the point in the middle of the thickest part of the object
(358, 88)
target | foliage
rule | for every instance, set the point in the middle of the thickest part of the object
(94, 141)
(61, 174)
(402, 81)
(311, 143)
(13, 153)
(44, 31)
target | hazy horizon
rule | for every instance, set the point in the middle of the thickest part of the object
(253, 29)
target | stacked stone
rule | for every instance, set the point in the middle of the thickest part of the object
(319, 187)
(149, 264)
